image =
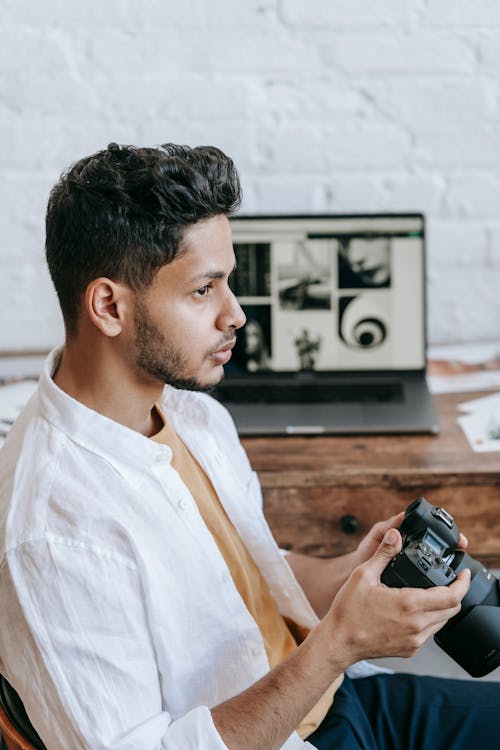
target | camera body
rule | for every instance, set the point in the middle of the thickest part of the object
(429, 558)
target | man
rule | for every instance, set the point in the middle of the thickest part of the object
(144, 602)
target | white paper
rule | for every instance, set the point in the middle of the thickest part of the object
(456, 368)
(21, 367)
(483, 380)
(13, 398)
(470, 353)
(484, 404)
(482, 431)
(481, 422)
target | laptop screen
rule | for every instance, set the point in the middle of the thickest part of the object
(336, 293)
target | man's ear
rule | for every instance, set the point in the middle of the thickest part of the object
(108, 304)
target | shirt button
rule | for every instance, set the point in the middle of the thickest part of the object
(225, 576)
(183, 503)
(256, 651)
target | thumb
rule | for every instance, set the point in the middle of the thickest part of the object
(389, 547)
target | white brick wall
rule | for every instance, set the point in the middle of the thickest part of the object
(328, 105)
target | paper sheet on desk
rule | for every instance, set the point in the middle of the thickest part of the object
(481, 423)
(462, 382)
(463, 367)
(13, 398)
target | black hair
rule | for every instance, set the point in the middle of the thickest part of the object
(122, 213)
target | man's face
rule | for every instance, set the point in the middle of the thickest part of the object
(186, 321)
(370, 260)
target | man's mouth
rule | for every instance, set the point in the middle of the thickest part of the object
(223, 354)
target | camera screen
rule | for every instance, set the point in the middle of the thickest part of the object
(434, 542)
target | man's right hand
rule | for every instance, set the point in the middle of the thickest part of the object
(366, 620)
(370, 620)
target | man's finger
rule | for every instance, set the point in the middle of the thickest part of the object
(439, 598)
(389, 547)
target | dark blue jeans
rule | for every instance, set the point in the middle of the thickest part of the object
(410, 712)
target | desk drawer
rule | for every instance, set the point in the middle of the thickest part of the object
(330, 520)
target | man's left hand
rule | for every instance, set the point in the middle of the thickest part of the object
(370, 543)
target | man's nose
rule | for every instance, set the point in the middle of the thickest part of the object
(233, 315)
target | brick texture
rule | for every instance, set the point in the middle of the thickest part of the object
(326, 106)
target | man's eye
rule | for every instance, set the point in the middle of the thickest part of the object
(203, 291)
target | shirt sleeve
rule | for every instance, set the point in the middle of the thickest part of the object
(81, 654)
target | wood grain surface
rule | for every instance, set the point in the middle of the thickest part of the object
(311, 484)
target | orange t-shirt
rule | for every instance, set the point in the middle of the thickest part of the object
(251, 585)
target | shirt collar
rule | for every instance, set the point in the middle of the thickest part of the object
(127, 450)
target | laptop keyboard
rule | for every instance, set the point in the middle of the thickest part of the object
(310, 393)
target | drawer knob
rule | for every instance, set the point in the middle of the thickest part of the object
(349, 524)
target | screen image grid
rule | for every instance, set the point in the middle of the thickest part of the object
(326, 303)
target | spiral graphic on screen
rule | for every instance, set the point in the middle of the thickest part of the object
(361, 324)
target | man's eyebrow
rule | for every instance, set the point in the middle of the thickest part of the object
(211, 275)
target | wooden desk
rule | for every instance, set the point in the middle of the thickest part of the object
(311, 483)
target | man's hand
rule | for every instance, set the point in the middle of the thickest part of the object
(365, 620)
(370, 620)
(321, 578)
(369, 544)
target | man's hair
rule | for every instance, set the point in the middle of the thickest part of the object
(122, 213)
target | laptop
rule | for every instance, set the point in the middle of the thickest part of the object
(335, 338)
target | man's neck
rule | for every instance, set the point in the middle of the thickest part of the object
(101, 380)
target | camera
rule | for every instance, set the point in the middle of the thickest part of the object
(429, 558)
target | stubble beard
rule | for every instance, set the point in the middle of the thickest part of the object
(160, 359)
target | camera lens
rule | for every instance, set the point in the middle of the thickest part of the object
(483, 583)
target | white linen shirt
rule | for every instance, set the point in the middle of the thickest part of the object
(120, 624)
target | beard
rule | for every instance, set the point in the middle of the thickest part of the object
(161, 359)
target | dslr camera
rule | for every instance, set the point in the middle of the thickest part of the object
(429, 558)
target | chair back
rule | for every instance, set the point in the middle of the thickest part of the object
(15, 727)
